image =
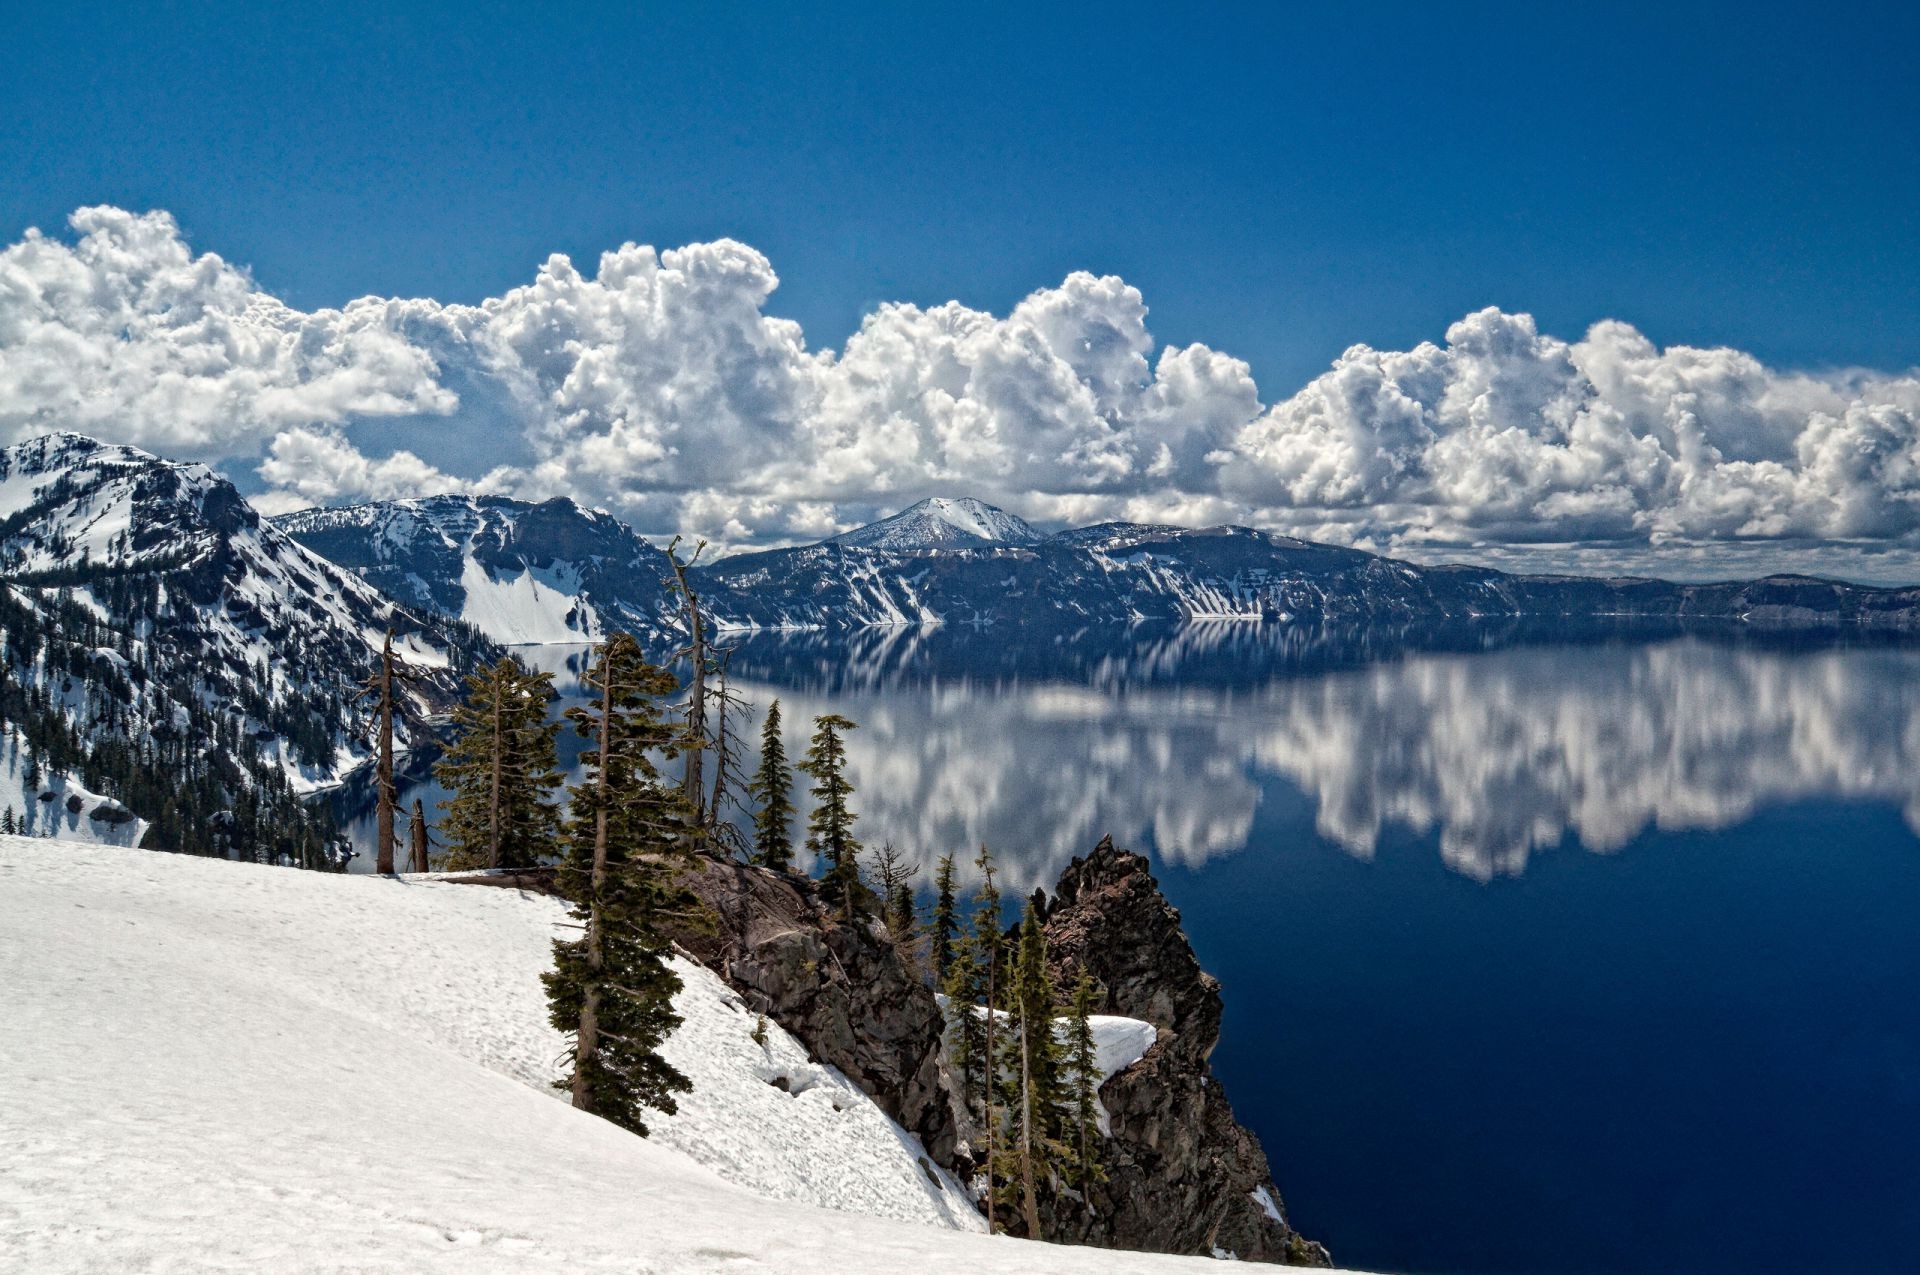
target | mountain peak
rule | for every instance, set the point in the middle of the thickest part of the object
(941, 522)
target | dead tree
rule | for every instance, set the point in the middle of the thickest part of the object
(380, 686)
(693, 778)
(728, 773)
(418, 838)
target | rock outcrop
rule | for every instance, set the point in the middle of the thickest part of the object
(844, 990)
(1182, 1174)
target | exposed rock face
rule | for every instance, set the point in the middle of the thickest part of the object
(1182, 1175)
(843, 990)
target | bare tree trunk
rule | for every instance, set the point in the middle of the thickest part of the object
(493, 823)
(693, 783)
(1026, 1134)
(993, 964)
(383, 773)
(586, 1044)
(418, 837)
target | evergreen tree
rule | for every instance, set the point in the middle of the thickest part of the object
(500, 769)
(830, 826)
(944, 926)
(628, 833)
(1082, 1064)
(772, 792)
(965, 987)
(989, 945)
(1030, 1071)
(895, 876)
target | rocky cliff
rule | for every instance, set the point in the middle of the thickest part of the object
(1183, 1175)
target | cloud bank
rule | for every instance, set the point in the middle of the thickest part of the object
(659, 387)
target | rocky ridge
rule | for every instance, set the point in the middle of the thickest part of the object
(1183, 1175)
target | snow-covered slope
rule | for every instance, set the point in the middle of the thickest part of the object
(517, 571)
(56, 803)
(188, 577)
(940, 523)
(210, 1065)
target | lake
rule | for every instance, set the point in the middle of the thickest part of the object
(1541, 952)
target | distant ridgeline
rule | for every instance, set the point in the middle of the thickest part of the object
(178, 673)
(189, 671)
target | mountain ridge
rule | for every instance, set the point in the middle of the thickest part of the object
(1112, 574)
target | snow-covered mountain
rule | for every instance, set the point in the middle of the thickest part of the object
(371, 1090)
(940, 523)
(168, 647)
(517, 571)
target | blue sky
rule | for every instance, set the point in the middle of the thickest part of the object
(1278, 183)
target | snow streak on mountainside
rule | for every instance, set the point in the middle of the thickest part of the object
(164, 639)
(518, 572)
(939, 523)
(558, 573)
(369, 1090)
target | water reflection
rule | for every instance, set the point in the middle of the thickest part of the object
(1498, 753)
(1498, 742)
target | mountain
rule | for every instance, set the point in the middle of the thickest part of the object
(939, 523)
(167, 647)
(1116, 574)
(555, 572)
(517, 571)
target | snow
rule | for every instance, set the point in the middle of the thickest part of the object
(45, 809)
(523, 608)
(940, 523)
(220, 1066)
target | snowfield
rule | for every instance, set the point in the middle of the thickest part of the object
(219, 1066)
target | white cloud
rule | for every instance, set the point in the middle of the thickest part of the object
(126, 334)
(659, 386)
(1505, 435)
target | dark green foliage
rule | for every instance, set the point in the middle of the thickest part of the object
(136, 714)
(1032, 1086)
(944, 926)
(899, 915)
(772, 793)
(893, 880)
(628, 833)
(1082, 1067)
(830, 826)
(500, 769)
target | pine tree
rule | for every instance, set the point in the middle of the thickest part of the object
(1031, 1073)
(944, 926)
(988, 944)
(830, 826)
(895, 876)
(628, 833)
(1082, 1063)
(772, 792)
(500, 769)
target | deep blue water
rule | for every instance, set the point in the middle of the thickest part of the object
(1542, 956)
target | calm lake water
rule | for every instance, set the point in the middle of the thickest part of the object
(1539, 954)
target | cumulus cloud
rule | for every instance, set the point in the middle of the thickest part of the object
(125, 333)
(1507, 435)
(659, 386)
